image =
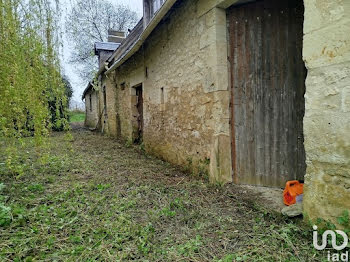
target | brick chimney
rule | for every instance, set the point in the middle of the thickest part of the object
(115, 36)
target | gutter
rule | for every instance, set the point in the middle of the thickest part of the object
(148, 30)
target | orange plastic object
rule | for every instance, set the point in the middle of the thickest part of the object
(293, 189)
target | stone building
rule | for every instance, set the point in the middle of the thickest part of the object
(95, 108)
(91, 106)
(250, 92)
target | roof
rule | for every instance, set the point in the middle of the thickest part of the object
(137, 37)
(130, 40)
(134, 40)
(101, 46)
(88, 87)
(106, 46)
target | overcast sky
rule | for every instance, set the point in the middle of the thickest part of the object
(77, 84)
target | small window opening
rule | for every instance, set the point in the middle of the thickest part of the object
(105, 99)
(90, 101)
(162, 95)
(122, 86)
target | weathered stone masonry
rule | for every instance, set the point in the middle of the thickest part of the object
(183, 69)
(327, 119)
(91, 107)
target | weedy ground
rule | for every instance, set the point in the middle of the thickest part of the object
(94, 199)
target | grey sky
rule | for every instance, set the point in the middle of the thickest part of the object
(77, 84)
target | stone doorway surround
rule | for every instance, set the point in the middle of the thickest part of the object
(326, 53)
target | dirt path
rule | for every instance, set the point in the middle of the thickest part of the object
(110, 202)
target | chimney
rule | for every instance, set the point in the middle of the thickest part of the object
(115, 36)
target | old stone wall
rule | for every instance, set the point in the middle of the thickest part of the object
(111, 125)
(327, 119)
(183, 69)
(128, 76)
(107, 109)
(102, 117)
(178, 113)
(91, 110)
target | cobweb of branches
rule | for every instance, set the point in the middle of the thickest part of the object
(88, 22)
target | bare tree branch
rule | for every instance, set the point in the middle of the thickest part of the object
(87, 23)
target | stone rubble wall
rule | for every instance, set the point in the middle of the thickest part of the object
(91, 111)
(183, 69)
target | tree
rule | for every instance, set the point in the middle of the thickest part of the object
(88, 22)
(58, 108)
(31, 89)
(68, 89)
(30, 75)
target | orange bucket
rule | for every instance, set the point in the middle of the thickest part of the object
(292, 190)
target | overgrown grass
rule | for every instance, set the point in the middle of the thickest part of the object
(76, 116)
(102, 201)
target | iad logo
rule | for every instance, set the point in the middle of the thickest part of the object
(335, 256)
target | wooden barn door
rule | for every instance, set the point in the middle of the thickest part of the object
(268, 86)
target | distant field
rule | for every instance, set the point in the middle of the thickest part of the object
(76, 116)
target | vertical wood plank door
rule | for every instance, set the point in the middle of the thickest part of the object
(268, 86)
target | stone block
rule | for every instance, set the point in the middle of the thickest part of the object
(321, 13)
(215, 16)
(207, 38)
(325, 199)
(327, 46)
(220, 159)
(204, 6)
(327, 137)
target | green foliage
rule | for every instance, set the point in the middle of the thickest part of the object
(344, 219)
(76, 116)
(191, 246)
(36, 188)
(145, 235)
(128, 143)
(32, 93)
(5, 215)
(102, 187)
(5, 211)
(68, 89)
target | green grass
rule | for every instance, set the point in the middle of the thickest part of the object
(76, 116)
(92, 199)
